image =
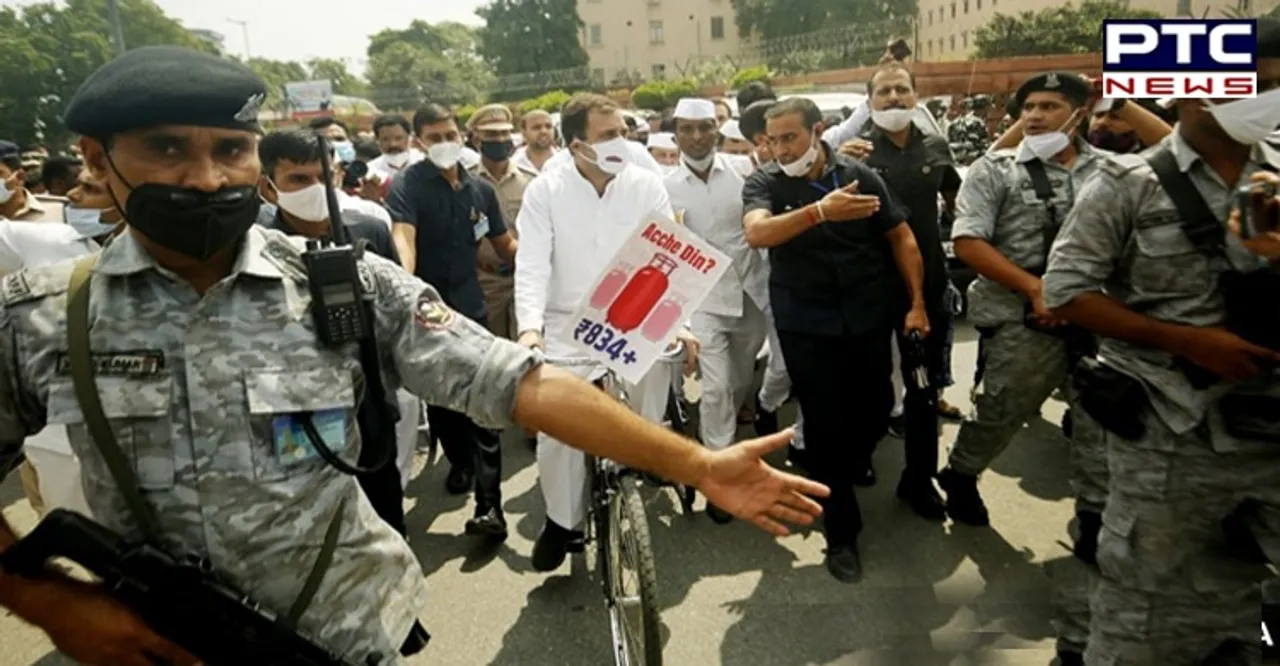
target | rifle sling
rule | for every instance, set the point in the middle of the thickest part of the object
(82, 375)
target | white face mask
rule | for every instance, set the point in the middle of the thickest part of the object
(397, 160)
(87, 222)
(893, 120)
(1044, 146)
(308, 204)
(445, 154)
(612, 156)
(702, 164)
(801, 166)
(5, 193)
(1248, 121)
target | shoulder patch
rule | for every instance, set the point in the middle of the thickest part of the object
(31, 284)
(431, 313)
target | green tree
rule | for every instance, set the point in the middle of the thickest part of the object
(531, 36)
(47, 50)
(426, 63)
(1065, 29)
(793, 37)
(336, 71)
(276, 73)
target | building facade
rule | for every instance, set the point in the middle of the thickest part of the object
(655, 39)
(947, 28)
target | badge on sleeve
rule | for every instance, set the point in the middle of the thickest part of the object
(482, 227)
(431, 313)
(292, 445)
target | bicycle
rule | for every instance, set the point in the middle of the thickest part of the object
(617, 525)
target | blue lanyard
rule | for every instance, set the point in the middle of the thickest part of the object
(835, 178)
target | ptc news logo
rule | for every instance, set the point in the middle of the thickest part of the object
(1180, 58)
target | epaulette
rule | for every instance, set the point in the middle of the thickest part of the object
(285, 252)
(31, 284)
(51, 199)
(1119, 166)
(525, 170)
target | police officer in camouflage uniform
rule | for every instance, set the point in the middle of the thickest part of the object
(1171, 592)
(1003, 229)
(968, 134)
(208, 359)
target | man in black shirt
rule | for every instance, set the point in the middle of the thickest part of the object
(917, 167)
(292, 182)
(834, 233)
(442, 214)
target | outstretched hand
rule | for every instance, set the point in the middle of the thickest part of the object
(740, 482)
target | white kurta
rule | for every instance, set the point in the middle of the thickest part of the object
(568, 232)
(732, 322)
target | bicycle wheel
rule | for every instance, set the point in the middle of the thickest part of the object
(633, 579)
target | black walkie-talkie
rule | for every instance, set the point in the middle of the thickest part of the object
(343, 314)
(336, 294)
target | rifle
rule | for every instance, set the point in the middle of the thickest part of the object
(183, 600)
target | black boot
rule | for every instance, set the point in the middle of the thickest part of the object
(922, 497)
(1088, 524)
(964, 504)
(553, 546)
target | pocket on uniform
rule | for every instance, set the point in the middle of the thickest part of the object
(1168, 263)
(280, 399)
(140, 416)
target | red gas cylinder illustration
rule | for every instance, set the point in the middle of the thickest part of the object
(642, 293)
(612, 283)
(664, 318)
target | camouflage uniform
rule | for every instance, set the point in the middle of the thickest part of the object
(968, 134)
(192, 395)
(1168, 594)
(1023, 367)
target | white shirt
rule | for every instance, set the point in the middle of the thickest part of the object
(713, 210)
(639, 157)
(521, 158)
(30, 244)
(469, 158)
(382, 166)
(370, 208)
(568, 233)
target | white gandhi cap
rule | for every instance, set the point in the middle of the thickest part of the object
(731, 130)
(665, 140)
(691, 108)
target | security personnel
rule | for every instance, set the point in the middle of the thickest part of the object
(1126, 266)
(834, 233)
(968, 134)
(492, 126)
(442, 214)
(1010, 207)
(16, 201)
(706, 193)
(202, 323)
(917, 167)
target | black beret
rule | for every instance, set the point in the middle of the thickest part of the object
(166, 85)
(9, 149)
(1069, 85)
(1268, 38)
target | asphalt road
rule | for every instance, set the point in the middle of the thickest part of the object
(933, 595)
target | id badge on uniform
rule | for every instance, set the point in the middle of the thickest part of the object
(291, 442)
(482, 227)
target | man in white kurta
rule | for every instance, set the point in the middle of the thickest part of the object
(574, 218)
(731, 324)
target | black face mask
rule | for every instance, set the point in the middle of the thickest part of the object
(497, 151)
(189, 221)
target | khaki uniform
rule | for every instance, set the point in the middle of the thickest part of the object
(39, 208)
(1169, 592)
(197, 389)
(496, 277)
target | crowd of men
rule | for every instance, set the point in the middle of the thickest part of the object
(1117, 261)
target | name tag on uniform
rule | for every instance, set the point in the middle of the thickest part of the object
(292, 445)
(482, 227)
(142, 363)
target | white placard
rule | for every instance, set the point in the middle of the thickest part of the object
(309, 96)
(644, 296)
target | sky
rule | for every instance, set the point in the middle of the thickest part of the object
(302, 29)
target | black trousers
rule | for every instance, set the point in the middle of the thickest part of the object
(843, 385)
(470, 447)
(920, 406)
